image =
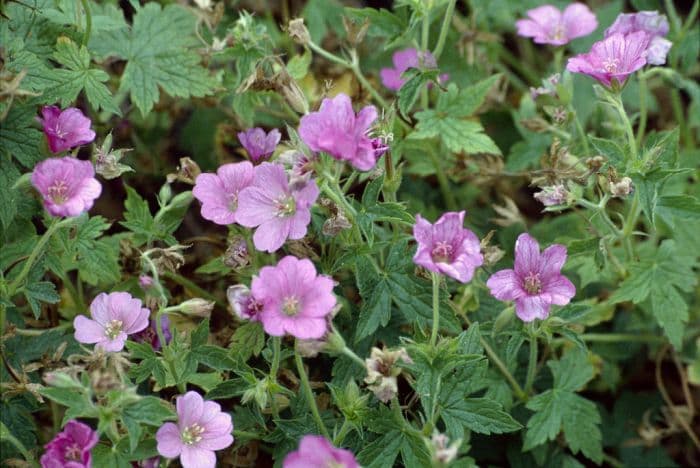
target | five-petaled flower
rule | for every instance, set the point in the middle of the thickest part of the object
(114, 316)
(65, 129)
(653, 24)
(335, 129)
(547, 24)
(258, 144)
(67, 185)
(279, 210)
(536, 281)
(447, 247)
(201, 429)
(219, 192)
(71, 447)
(295, 300)
(317, 452)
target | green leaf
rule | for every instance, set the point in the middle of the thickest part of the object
(160, 49)
(414, 82)
(19, 138)
(382, 23)
(572, 372)
(659, 279)
(679, 208)
(77, 75)
(137, 217)
(8, 195)
(248, 340)
(298, 66)
(381, 452)
(150, 410)
(610, 149)
(213, 356)
(480, 415)
(38, 292)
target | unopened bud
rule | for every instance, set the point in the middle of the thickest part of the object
(310, 348)
(197, 307)
(187, 172)
(595, 163)
(355, 31)
(298, 32)
(292, 93)
(621, 188)
(145, 282)
(61, 380)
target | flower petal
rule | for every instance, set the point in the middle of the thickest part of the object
(529, 308)
(505, 285)
(169, 442)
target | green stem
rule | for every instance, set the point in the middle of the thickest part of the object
(621, 338)
(6, 435)
(517, 63)
(349, 181)
(88, 22)
(39, 332)
(12, 289)
(351, 354)
(306, 387)
(447, 194)
(436, 309)
(425, 38)
(581, 132)
(340, 437)
(600, 209)
(276, 351)
(558, 57)
(641, 126)
(444, 29)
(630, 222)
(616, 101)
(187, 284)
(246, 434)
(532, 363)
(166, 350)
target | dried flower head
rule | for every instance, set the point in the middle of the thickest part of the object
(187, 172)
(382, 371)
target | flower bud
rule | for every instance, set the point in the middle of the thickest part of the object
(355, 31)
(243, 304)
(187, 172)
(60, 379)
(298, 32)
(310, 348)
(621, 188)
(197, 307)
(145, 282)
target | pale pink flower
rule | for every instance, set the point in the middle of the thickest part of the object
(403, 60)
(295, 300)
(536, 282)
(258, 144)
(547, 24)
(336, 130)
(65, 129)
(114, 316)
(71, 447)
(613, 59)
(219, 192)
(446, 247)
(317, 452)
(67, 185)
(650, 22)
(278, 210)
(201, 429)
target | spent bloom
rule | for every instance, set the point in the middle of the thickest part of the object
(549, 25)
(382, 371)
(67, 185)
(114, 316)
(150, 334)
(612, 59)
(71, 447)
(443, 453)
(201, 429)
(244, 305)
(403, 60)
(65, 129)
(219, 192)
(295, 300)
(258, 144)
(280, 211)
(552, 195)
(447, 247)
(536, 281)
(336, 130)
(650, 22)
(317, 452)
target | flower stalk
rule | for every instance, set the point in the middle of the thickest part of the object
(309, 394)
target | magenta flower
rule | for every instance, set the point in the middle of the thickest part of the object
(549, 25)
(614, 58)
(150, 334)
(201, 429)
(71, 447)
(317, 452)
(219, 192)
(67, 185)
(114, 316)
(403, 60)
(65, 129)
(279, 211)
(336, 130)
(295, 300)
(258, 144)
(650, 22)
(447, 247)
(536, 282)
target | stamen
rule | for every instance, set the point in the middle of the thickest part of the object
(286, 206)
(290, 306)
(442, 252)
(58, 192)
(532, 283)
(113, 329)
(192, 434)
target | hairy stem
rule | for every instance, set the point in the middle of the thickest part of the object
(444, 29)
(38, 248)
(532, 362)
(436, 309)
(641, 126)
(306, 388)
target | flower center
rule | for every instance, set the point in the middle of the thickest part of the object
(610, 64)
(557, 32)
(290, 306)
(286, 206)
(532, 283)
(113, 329)
(58, 131)
(233, 202)
(73, 453)
(442, 252)
(58, 191)
(192, 434)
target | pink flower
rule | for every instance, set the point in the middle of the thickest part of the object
(219, 192)
(548, 25)
(650, 22)
(258, 144)
(317, 452)
(201, 429)
(536, 282)
(65, 129)
(115, 315)
(446, 247)
(336, 130)
(67, 185)
(71, 447)
(295, 300)
(403, 60)
(280, 211)
(614, 58)
(244, 305)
